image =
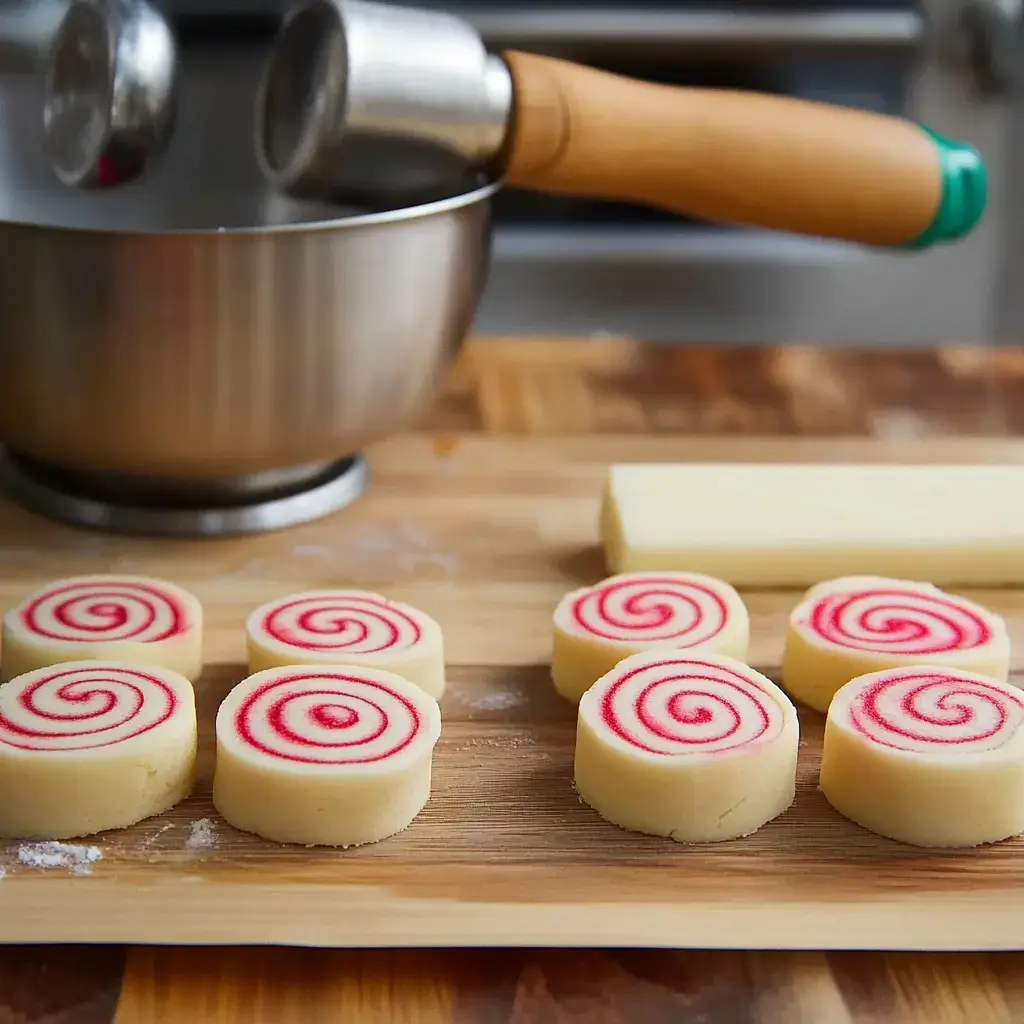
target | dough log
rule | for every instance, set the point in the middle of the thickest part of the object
(348, 627)
(332, 756)
(596, 627)
(927, 756)
(93, 745)
(110, 618)
(795, 524)
(698, 748)
(858, 624)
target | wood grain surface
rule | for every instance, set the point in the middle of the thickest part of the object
(486, 532)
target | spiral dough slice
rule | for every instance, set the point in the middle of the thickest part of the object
(927, 755)
(348, 627)
(596, 627)
(696, 747)
(111, 618)
(848, 627)
(324, 756)
(92, 745)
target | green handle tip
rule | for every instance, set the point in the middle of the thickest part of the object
(964, 193)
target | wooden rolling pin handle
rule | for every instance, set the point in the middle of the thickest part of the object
(735, 157)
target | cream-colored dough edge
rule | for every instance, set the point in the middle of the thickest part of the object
(814, 671)
(70, 794)
(21, 653)
(577, 662)
(345, 809)
(321, 804)
(690, 798)
(925, 800)
(700, 800)
(422, 665)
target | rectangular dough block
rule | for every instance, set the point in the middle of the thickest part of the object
(797, 524)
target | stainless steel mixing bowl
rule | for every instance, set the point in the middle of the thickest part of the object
(194, 323)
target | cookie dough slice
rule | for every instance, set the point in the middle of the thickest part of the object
(108, 617)
(928, 756)
(847, 627)
(348, 627)
(699, 748)
(596, 627)
(324, 756)
(93, 745)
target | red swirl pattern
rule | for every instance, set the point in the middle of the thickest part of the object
(651, 608)
(83, 708)
(352, 621)
(678, 706)
(891, 620)
(110, 610)
(928, 709)
(327, 718)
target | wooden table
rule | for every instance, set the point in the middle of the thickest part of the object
(612, 387)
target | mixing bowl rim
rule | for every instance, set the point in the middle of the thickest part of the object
(379, 218)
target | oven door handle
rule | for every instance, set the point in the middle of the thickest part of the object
(512, 29)
(685, 245)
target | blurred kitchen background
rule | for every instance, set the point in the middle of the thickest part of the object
(570, 267)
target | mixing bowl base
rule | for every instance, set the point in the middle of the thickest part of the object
(212, 507)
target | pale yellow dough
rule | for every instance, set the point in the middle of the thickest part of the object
(92, 745)
(928, 756)
(699, 748)
(107, 617)
(348, 627)
(596, 627)
(792, 525)
(858, 624)
(324, 755)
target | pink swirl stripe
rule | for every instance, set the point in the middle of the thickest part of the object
(107, 611)
(894, 621)
(651, 609)
(688, 706)
(83, 708)
(328, 718)
(929, 709)
(354, 623)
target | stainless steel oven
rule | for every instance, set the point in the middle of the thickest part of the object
(571, 267)
(579, 267)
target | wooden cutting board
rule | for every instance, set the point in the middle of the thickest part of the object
(486, 534)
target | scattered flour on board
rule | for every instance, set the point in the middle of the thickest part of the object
(77, 859)
(497, 700)
(402, 548)
(150, 840)
(202, 835)
(311, 551)
(363, 556)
